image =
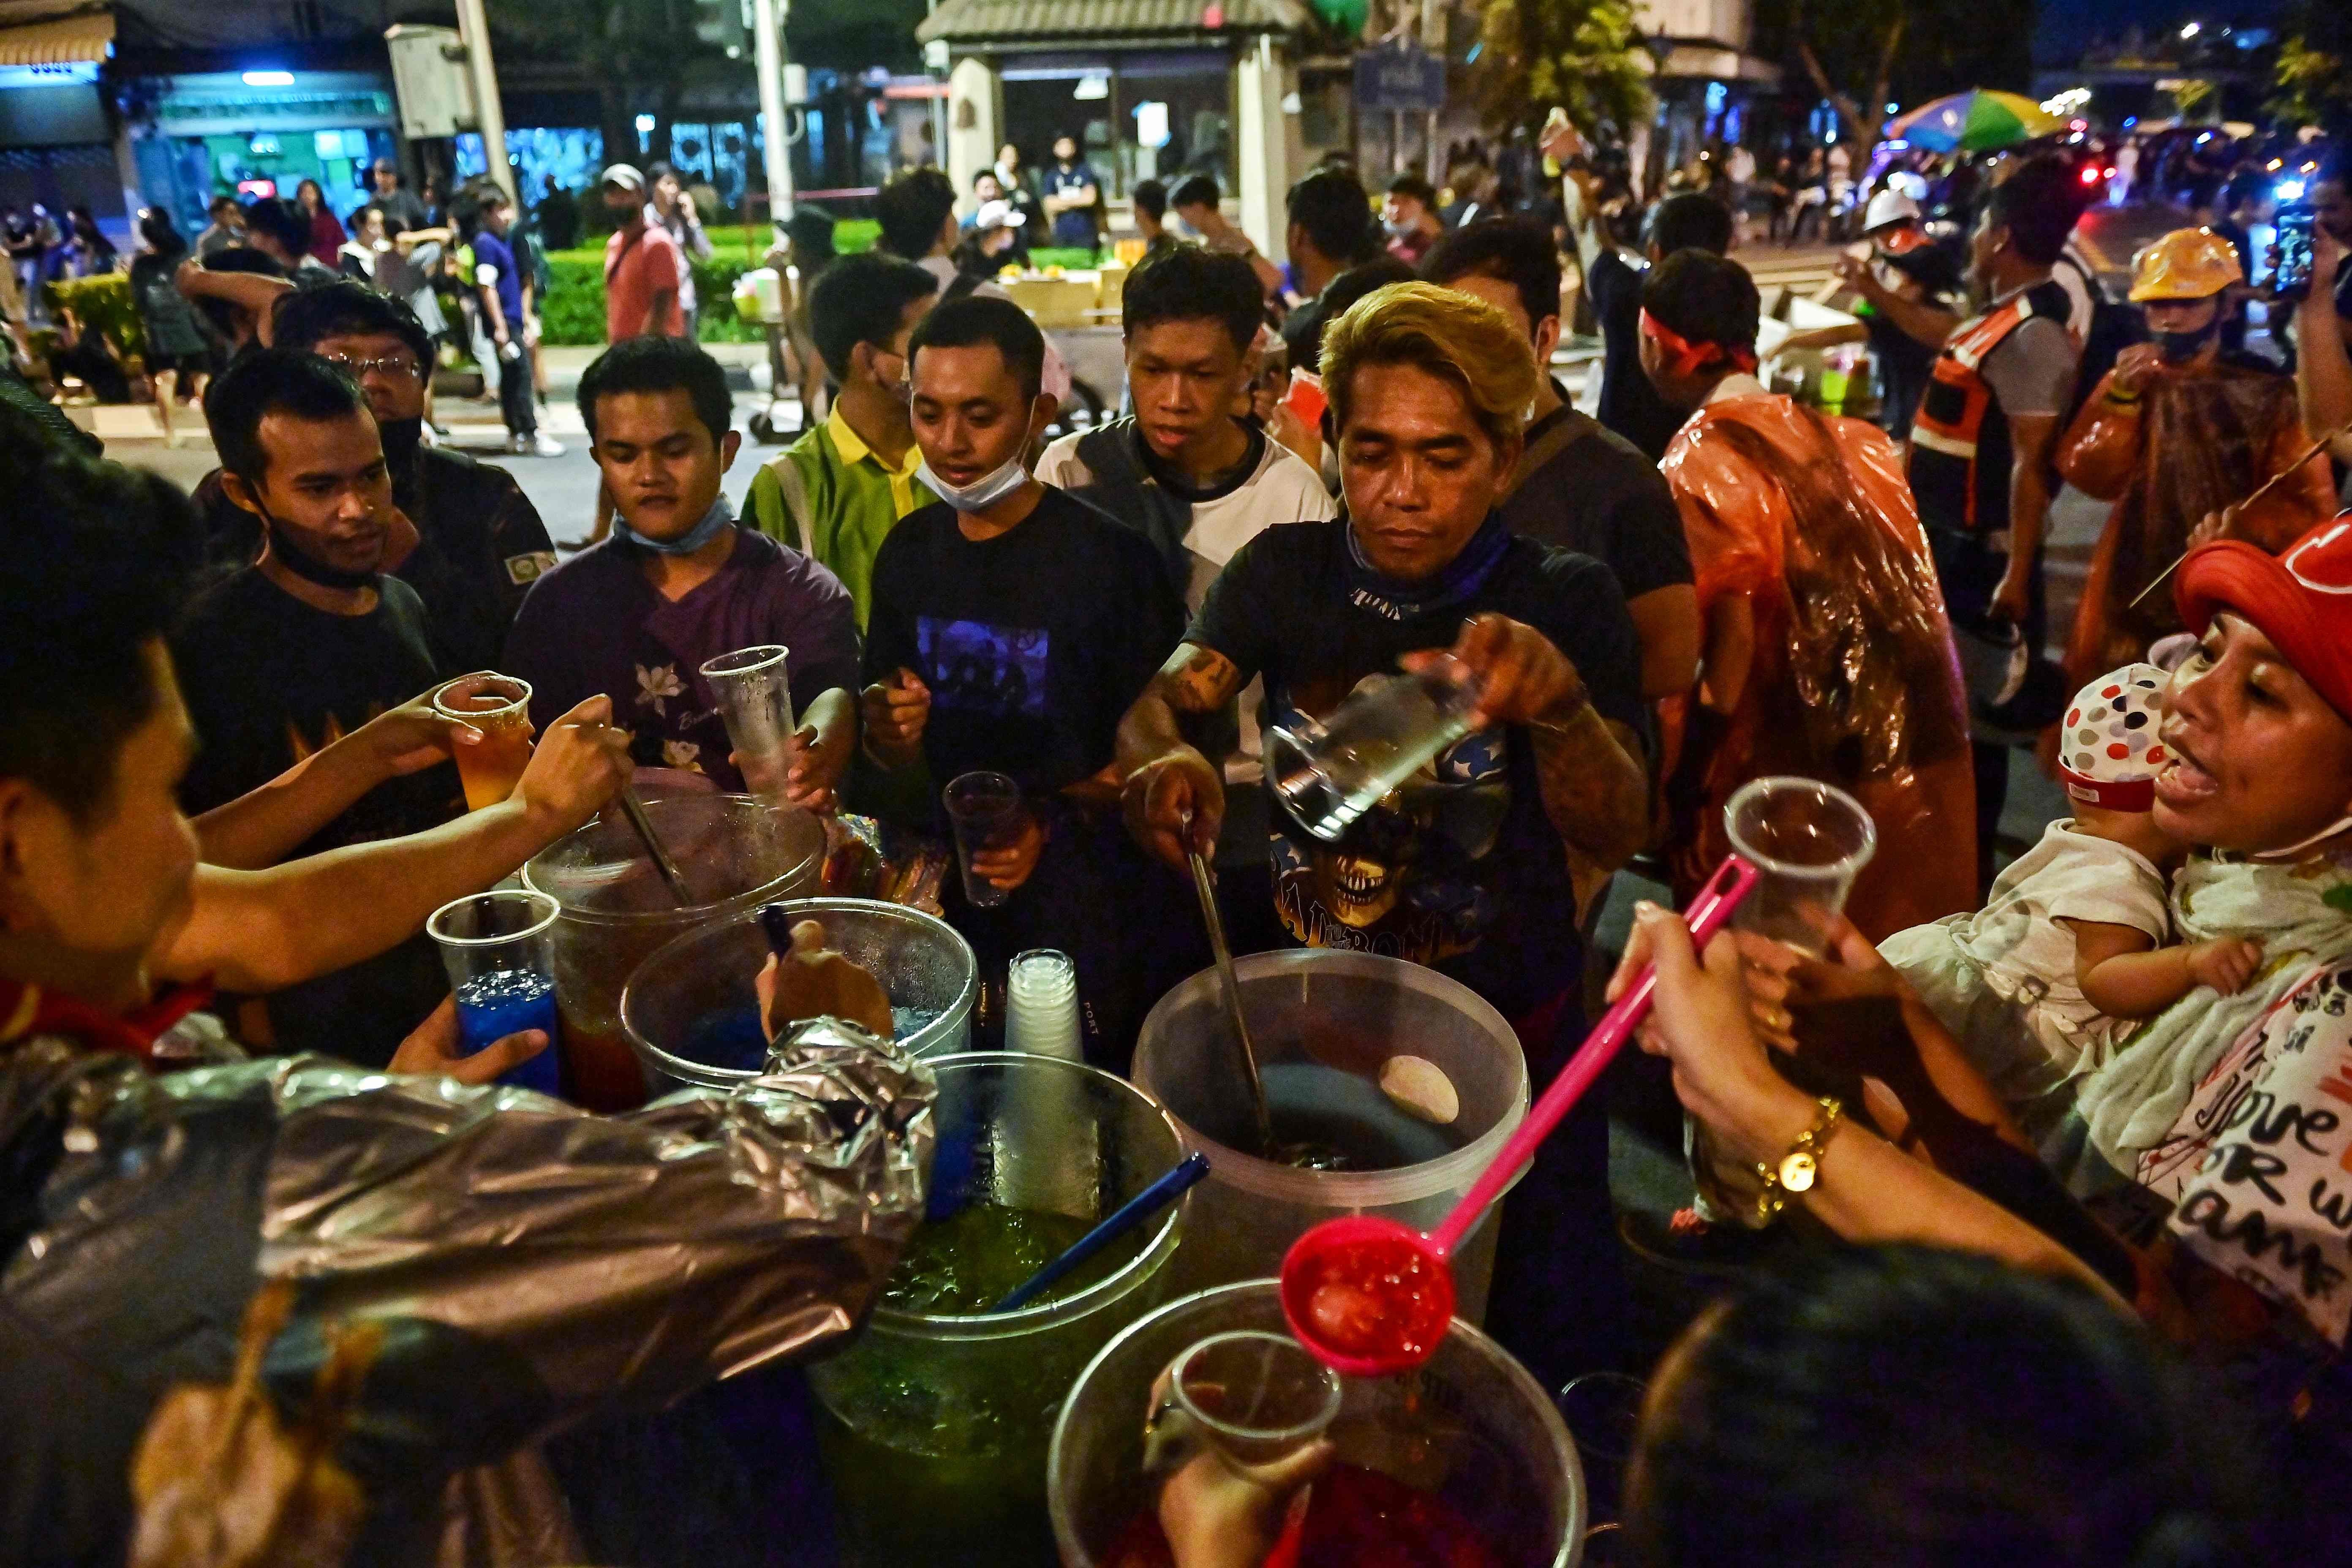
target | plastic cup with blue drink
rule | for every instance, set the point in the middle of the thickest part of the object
(500, 950)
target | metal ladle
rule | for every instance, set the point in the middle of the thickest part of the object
(634, 810)
(1306, 1156)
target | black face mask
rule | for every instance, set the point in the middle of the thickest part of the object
(401, 439)
(309, 568)
(2179, 347)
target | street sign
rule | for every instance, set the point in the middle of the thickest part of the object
(430, 79)
(1406, 80)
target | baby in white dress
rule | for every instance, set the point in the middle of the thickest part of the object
(2068, 952)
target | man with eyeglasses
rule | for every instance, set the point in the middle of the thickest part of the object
(480, 543)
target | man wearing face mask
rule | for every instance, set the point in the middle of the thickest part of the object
(836, 493)
(304, 645)
(480, 542)
(2181, 428)
(1011, 625)
(680, 583)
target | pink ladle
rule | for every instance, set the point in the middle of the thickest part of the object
(1390, 1287)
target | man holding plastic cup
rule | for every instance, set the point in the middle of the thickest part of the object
(680, 583)
(1479, 865)
(527, 1266)
(1011, 625)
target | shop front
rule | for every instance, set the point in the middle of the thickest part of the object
(55, 147)
(259, 133)
(1159, 88)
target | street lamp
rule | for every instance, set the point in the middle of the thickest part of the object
(2190, 29)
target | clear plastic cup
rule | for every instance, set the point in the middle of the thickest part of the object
(1255, 1397)
(1810, 840)
(756, 700)
(1328, 772)
(499, 707)
(499, 950)
(986, 813)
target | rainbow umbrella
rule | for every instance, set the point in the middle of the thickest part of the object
(1974, 121)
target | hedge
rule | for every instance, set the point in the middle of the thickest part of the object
(103, 301)
(573, 310)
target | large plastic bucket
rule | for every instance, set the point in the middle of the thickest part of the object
(1250, 1210)
(1472, 1427)
(937, 1427)
(735, 853)
(692, 1015)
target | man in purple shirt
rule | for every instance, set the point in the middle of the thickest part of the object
(679, 583)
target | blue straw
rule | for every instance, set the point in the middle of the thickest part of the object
(1132, 1213)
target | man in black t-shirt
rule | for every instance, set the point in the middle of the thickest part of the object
(1475, 866)
(1577, 484)
(305, 646)
(1011, 624)
(1628, 404)
(480, 542)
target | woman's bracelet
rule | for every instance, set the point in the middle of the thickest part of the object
(1797, 1169)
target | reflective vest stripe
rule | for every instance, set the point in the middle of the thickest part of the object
(1937, 442)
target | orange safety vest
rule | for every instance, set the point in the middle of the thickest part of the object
(1960, 453)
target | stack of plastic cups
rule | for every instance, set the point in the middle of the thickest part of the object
(1041, 1017)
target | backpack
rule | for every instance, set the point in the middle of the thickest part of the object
(2114, 327)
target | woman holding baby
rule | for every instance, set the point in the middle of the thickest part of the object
(2223, 1122)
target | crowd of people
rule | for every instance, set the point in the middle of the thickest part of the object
(2016, 1113)
(471, 266)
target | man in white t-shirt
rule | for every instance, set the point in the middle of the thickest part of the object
(1184, 471)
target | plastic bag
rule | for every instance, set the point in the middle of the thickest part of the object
(526, 1264)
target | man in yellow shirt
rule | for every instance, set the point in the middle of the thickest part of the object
(836, 493)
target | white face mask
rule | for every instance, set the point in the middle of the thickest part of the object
(2275, 856)
(981, 493)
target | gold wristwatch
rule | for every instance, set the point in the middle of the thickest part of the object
(1797, 1169)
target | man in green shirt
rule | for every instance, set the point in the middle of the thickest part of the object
(835, 493)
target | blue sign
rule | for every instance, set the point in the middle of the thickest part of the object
(1408, 79)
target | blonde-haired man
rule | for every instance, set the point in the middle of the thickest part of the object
(1472, 866)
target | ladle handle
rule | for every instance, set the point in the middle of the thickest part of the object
(1229, 984)
(1709, 911)
(634, 810)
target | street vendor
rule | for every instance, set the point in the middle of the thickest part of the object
(2182, 427)
(1480, 865)
(519, 1265)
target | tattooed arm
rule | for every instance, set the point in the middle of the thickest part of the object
(1594, 791)
(1168, 781)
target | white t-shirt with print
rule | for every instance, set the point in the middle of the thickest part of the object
(1281, 489)
(2260, 1163)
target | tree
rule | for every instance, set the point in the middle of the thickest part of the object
(2314, 74)
(1584, 56)
(1861, 55)
(634, 52)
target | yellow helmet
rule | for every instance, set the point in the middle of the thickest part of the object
(2186, 264)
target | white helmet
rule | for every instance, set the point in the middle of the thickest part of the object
(1890, 206)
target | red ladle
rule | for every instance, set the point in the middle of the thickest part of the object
(1369, 1296)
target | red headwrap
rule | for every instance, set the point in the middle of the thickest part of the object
(2301, 599)
(27, 1010)
(1690, 358)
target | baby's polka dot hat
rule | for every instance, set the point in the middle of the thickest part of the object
(2108, 755)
